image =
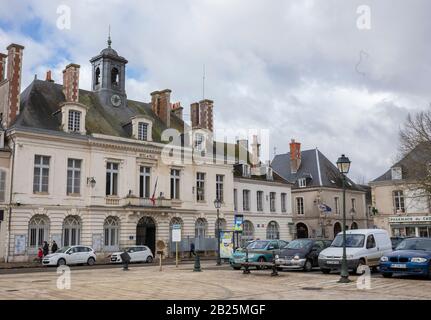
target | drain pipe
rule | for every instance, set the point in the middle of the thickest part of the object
(10, 200)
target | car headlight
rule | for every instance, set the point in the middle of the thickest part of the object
(322, 256)
(296, 257)
(276, 256)
(384, 259)
(419, 260)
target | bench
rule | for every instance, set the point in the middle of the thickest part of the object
(272, 265)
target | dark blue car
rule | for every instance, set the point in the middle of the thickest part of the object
(411, 257)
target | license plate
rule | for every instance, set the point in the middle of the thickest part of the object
(333, 262)
(398, 266)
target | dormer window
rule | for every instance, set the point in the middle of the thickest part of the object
(142, 128)
(396, 173)
(269, 174)
(74, 123)
(302, 182)
(199, 141)
(73, 117)
(246, 170)
(143, 131)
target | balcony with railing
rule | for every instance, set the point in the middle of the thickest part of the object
(146, 202)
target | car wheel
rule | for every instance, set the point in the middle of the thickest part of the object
(325, 271)
(61, 262)
(236, 268)
(91, 261)
(387, 275)
(149, 259)
(308, 266)
(429, 272)
(261, 259)
(359, 267)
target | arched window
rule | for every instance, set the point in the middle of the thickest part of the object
(97, 76)
(354, 226)
(272, 231)
(114, 76)
(221, 225)
(38, 230)
(111, 229)
(247, 232)
(200, 228)
(71, 231)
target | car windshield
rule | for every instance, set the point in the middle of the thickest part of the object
(352, 240)
(62, 250)
(299, 244)
(131, 249)
(415, 244)
(258, 245)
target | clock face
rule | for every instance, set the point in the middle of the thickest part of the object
(115, 100)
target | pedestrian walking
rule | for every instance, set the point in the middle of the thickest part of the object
(40, 254)
(192, 249)
(45, 248)
(54, 247)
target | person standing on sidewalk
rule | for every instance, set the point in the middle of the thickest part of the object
(54, 247)
(39, 255)
(192, 249)
(45, 248)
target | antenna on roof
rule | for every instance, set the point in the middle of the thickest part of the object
(275, 151)
(109, 37)
(203, 83)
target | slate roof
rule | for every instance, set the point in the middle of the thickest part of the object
(237, 172)
(318, 170)
(416, 158)
(41, 100)
(40, 103)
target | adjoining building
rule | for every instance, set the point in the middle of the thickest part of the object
(399, 204)
(317, 194)
(263, 197)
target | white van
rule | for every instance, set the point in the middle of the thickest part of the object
(363, 247)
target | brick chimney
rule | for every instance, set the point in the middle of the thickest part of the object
(2, 66)
(295, 156)
(14, 70)
(201, 115)
(177, 109)
(49, 76)
(71, 82)
(161, 105)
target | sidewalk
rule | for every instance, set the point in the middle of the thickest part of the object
(19, 265)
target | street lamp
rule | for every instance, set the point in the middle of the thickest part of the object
(217, 205)
(343, 164)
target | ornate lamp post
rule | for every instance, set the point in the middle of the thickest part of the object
(217, 205)
(343, 164)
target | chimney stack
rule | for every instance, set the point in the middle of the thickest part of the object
(2, 66)
(49, 76)
(14, 70)
(161, 105)
(177, 110)
(71, 82)
(255, 151)
(201, 115)
(295, 156)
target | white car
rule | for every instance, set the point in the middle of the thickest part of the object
(136, 253)
(363, 247)
(70, 255)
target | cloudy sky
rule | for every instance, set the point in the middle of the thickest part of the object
(302, 69)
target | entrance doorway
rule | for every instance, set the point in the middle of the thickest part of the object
(146, 233)
(337, 228)
(301, 231)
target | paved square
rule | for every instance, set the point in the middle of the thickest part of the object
(212, 283)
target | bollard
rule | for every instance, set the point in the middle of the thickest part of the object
(246, 268)
(197, 267)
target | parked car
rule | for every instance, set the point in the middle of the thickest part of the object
(259, 251)
(411, 257)
(363, 247)
(136, 253)
(70, 255)
(302, 254)
(396, 241)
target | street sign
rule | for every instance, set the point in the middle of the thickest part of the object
(176, 233)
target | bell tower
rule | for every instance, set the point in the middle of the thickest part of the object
(109, 75)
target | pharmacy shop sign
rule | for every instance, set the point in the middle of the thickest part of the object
(410, 219)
